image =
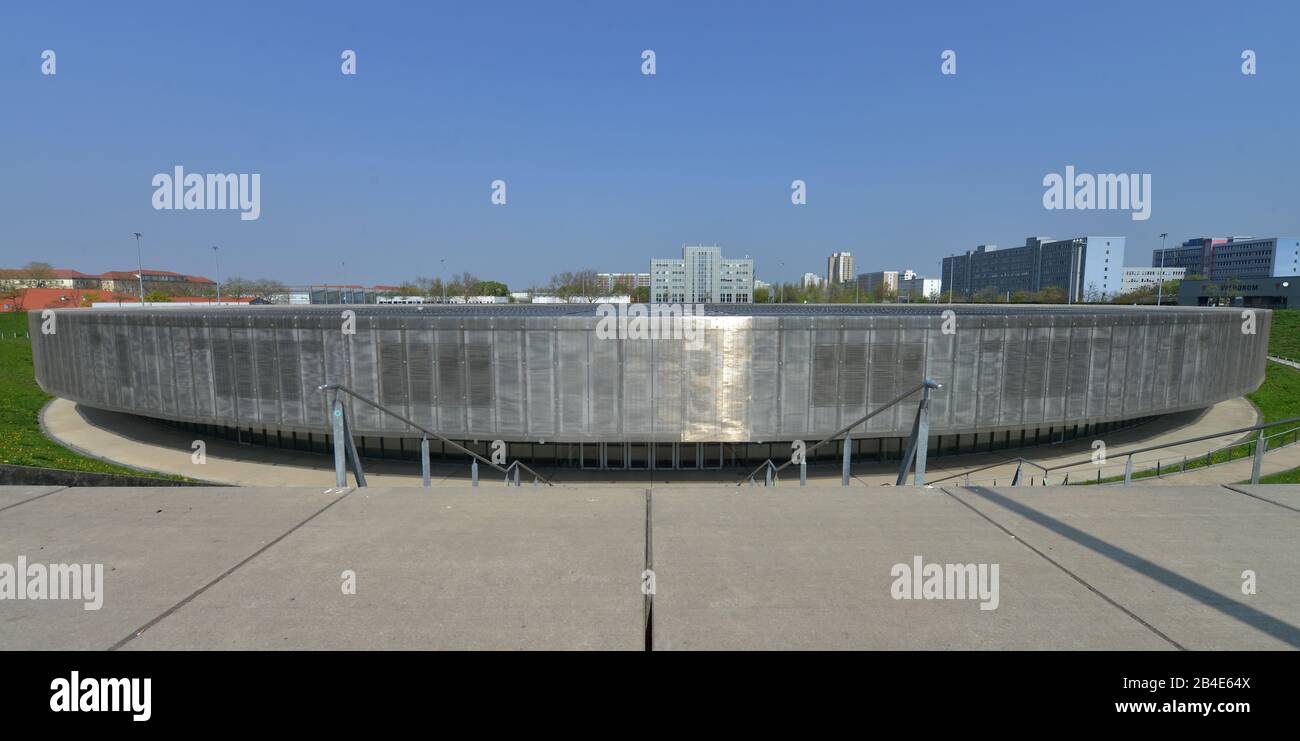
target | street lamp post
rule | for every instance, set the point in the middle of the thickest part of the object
(1160, 278)
(216, 255)
(139, 262)
(782, 283)
(442, 271)
(952, 265)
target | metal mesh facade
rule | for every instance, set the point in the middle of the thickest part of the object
(759, 373)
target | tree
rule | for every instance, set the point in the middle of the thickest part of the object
(12, 295)
(1051, 295)
(761, 295)
(157, 297)
(39, 270)
(465, 284)
(492, 288)
(569, 284)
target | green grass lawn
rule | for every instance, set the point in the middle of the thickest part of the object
(21, 441)
(1284, 338)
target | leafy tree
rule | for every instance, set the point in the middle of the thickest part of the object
(492, 288)
(1051, 295)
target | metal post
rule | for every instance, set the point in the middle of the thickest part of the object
(768, 481)
(353, 456)
(473, 472)
(923, 434)
(848, 460)
(803, 472)
(336, 425)
(516, 474)
(424, 461)
(1260, 446)
(918, 443)
(1128, 470)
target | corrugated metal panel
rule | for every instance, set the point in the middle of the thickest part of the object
(540, 357)
(760, 373)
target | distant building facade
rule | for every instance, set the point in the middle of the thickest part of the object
(1221, 258)
(839, 268)
(1084, 268)
(882, 281)
(1273, 292)
(919, 287)
(626, 281)
(1133, 279)
(113, 280)
(702, 276)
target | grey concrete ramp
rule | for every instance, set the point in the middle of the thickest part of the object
(812, 569)
(14, 495)
(1174, 557)
(157, 546)
(1287, 495)
(485, 568)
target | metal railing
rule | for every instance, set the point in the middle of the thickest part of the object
(1257, 447)
(345, 449)
(1015, 478)
(917, 444)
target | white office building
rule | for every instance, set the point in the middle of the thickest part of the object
(1133, 279)
(915, 287)
(701, 276)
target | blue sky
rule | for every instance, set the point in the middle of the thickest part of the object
(375, 178)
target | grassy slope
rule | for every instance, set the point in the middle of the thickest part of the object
(1282, 385)
(21, 440)
(1284, 339)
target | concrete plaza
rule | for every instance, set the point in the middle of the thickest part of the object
(453, 567)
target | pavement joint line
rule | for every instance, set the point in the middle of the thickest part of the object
(649, 566)
(1262, 499)
(193, 595)
(1069, 573)
(33, 499)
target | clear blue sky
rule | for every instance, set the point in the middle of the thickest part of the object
(390, 170)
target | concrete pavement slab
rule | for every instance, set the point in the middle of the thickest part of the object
(485, 568)
(1287, 495)
(812, 569)
(157, 546)
(1175, 557)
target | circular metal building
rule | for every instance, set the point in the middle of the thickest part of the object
(566, 384)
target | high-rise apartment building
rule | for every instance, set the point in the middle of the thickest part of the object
(839, 268)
